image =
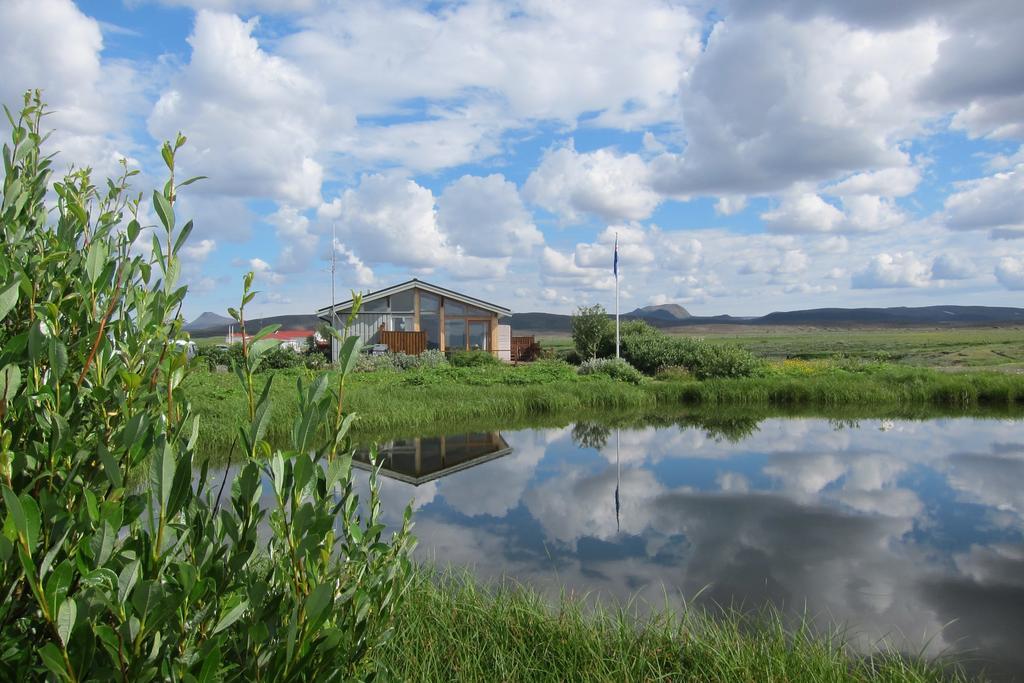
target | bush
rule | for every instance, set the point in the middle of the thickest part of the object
(472, 359)
(280, 358)
(215, 355)
(432, 358)
(616, 368)
(650, 351)
(119, 558)
(590, 324)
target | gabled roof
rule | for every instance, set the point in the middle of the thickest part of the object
(324, 313)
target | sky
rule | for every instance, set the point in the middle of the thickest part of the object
(750, 155)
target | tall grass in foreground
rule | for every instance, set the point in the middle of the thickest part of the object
(455, 630)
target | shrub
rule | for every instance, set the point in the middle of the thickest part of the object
(432, 358)
(215, 355)
(280, 358)
(472, 359)
(589, 325)
(119, 560)
(616, 368)
(650, 350)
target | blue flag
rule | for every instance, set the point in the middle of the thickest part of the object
(615, 259)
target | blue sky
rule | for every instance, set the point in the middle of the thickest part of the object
(751, 156)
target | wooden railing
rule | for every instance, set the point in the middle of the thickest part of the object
(412, 343)
(519, 348)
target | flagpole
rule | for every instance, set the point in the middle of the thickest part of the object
(616, 295)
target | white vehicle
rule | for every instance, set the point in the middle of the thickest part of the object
(189, 347)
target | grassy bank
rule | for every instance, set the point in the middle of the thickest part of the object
(996, 348)
(453, 629)
(447, 399)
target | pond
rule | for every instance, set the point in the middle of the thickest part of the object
(908, 533)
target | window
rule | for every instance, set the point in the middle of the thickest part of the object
(454, 334)
(429, 303)
(454, 308)
(402, 323)
(402, 302)
(376, 305)
(478, 330)
(431, 324)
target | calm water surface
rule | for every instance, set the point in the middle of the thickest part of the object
(911, 533)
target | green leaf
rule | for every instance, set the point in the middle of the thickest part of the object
(349, 354)
(54, 661)
(38, 333)
(161, 474)
(96, 260)
(233, 614)
(126, 581)
(58, 357)
(338, 470)
(8, 297)
(269, 329)
(168, 155)
(211, 665)
(25, 515)
(66, 620)
(110, 466)
(192, 180)
(182, 237)
(317, 601)
(10, 382)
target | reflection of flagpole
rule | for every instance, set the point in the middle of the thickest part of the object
(618, 472)
(615, 270)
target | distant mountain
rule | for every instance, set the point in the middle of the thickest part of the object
(937, 316)
(899, 315)
(217, 325)
(663, 312)
(208, 320)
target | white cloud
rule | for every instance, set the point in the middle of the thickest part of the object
(390, 218)
(252, 117)
(198, 250)
(1010, 273)
(610, 185)
(952, 267)
(890, 182)
(53, 46)
(486, 217)
(264, 272)
(356, 271)
(892, 270)
(802, 212)
(773, 102)
(297, 244)
(996, 201)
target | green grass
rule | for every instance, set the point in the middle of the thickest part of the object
(451, 400)
(999, 348)
(453, 629)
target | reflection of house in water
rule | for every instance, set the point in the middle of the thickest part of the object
(422, 459)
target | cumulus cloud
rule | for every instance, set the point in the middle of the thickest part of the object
(92, 101)
(610, 185)
(486, 217)
(892, 270)
(775, 101)
(952, 267)
(251, 116)
(992, 202)
(803, 212)
(1009, 272)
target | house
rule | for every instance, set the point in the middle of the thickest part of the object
(416, 315)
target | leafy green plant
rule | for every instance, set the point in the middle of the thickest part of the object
(472, 359)
(120, 558)
(616, 368)
(589, 325)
